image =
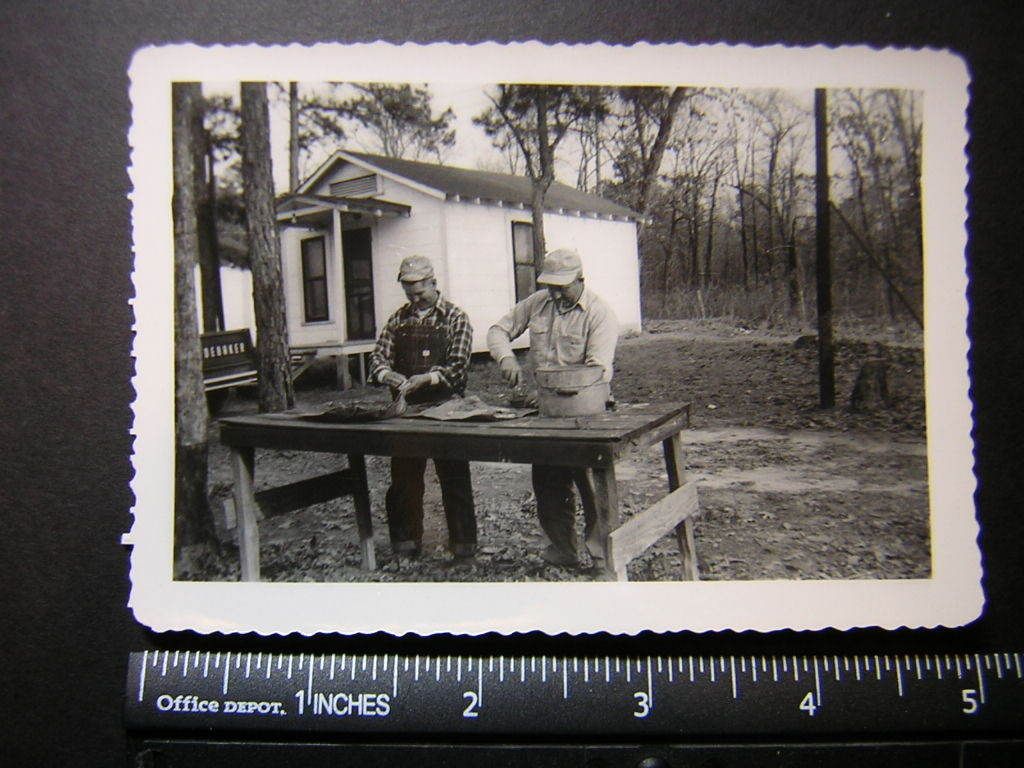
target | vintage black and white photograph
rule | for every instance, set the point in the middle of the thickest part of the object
(473, 339)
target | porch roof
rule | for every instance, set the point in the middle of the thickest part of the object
(292, 207)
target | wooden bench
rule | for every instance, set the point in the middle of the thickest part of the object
(229, 359)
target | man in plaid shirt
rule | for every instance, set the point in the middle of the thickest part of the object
(423, 353)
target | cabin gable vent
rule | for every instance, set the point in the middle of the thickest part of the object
(360, 186)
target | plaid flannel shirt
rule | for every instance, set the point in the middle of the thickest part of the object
(460, 342)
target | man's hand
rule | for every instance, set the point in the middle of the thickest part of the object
(393, 379)
(416, 382)
(511, 371)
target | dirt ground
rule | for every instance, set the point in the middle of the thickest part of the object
(786, 490)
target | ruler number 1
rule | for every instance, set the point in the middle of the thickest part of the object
(470, 710)
(807, 704)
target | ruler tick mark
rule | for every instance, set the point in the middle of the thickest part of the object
(959, 671)
(332, 665)
(1016, 661)
(184, 667)
(732, 665)
(142, 674)
(817, 683)
(206, 666)
(981, 680)
(248, 664)
(394, 678)
(227, 672)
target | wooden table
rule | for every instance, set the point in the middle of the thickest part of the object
(591, 442)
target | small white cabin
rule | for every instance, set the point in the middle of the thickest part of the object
(345, 230)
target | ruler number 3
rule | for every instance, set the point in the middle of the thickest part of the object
(643, 703)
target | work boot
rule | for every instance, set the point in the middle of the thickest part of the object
(555, 556)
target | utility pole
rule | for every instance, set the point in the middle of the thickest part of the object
(826, 352)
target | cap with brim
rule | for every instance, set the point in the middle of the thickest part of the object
(415, 268)
(560, 267)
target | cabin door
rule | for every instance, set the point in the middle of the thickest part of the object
(356, 254)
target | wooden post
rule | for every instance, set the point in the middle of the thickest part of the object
(826, 353)
(361, 500)
(344, 377)
(606, 515)
(243, 464)
(673, 450)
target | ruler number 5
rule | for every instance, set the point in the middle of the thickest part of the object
(470, 710)
(967, 696)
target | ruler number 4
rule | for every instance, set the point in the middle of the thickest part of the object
(807, 704)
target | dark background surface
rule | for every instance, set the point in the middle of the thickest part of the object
(66, 364)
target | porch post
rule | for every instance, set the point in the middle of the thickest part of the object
(344, 377)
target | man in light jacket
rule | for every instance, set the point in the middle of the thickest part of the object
(569, 325)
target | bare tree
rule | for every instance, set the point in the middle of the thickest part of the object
(275, 380)
(535, 119)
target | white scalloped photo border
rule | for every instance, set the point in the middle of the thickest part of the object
(951, 597)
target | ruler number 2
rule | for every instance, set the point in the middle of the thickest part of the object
(470, 710)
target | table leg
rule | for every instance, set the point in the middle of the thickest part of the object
(344, 377)
(361, 500)
(243, 464)
(606, 519)
(673, 449)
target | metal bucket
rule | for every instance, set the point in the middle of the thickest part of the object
(571, 390)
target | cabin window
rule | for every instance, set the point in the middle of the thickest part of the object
(522, 258)
(314, 279)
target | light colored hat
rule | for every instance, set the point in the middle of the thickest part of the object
(560, 267)
(415, 268)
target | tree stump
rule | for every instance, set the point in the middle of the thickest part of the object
(873, 389)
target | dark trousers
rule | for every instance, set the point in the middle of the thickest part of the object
(404, 504)
(556, 510)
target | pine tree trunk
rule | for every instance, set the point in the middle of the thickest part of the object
(193, 523)
(209, 258)
(293, 136)
(275, 379)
